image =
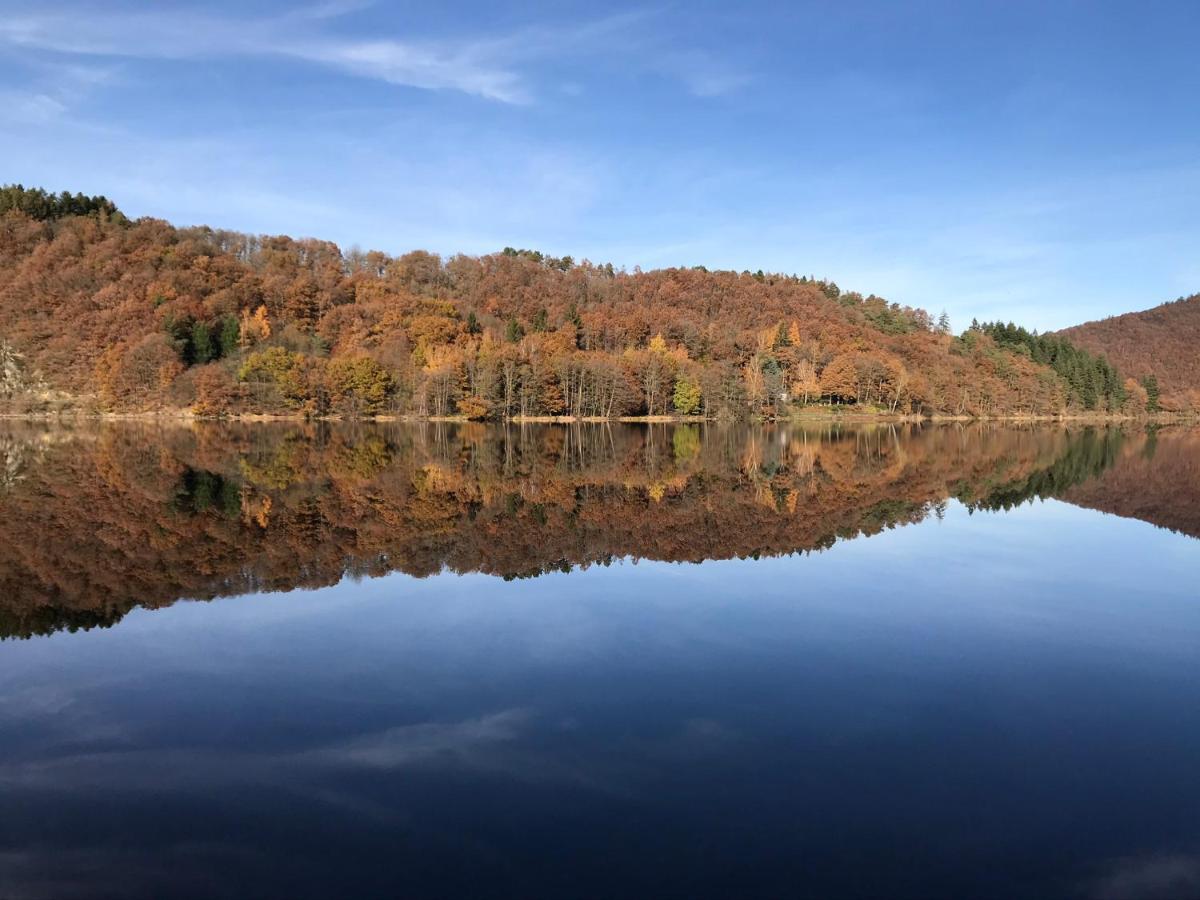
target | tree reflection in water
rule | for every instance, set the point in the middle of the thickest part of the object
(100, 519)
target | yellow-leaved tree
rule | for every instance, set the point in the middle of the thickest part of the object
(253, 328)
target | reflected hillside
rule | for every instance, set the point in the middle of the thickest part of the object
(1155, 478)
(97, 520)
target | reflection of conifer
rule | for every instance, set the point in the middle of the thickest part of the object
(238, 509)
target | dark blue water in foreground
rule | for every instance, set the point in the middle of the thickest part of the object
(983, 704)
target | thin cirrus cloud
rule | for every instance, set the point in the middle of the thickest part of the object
(52, 91)
(178, 36)
(496, 68)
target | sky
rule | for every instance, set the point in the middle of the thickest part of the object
(1030, 161)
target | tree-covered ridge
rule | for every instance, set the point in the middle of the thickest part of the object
(1155, 478)
(1155, 347)
(142, 315)
(1091, 381)
(1091, 453)
(100, 520)
(41, 205)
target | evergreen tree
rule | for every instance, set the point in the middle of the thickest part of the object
(39, 204)
(229, 336)
(180, 332)
(576, 321)
(201, 344)
(1150, 383)
(1091, 381)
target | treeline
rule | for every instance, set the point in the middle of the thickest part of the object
(1090, 453)
(141, 315)
(1156, 480)
(41, 205)
(105, 518)
(1091, 381)
(1155, 347)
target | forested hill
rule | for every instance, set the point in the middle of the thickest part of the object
(136, 315)
(220, 509)
(1156, 346)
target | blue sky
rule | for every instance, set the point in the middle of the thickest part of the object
(1035, 161)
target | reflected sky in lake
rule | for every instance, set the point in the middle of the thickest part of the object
(973, 702)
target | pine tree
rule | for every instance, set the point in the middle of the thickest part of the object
(1150, 383)
(228, 338)
(39, 204)
(201, 343)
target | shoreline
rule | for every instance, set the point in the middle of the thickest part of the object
(808, 417)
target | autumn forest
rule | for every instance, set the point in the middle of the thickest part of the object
(100, 313)
(222, 509)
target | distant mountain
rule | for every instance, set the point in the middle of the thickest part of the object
(1160, 342)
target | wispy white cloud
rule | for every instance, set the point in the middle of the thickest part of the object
(1153, 877)
(31, 107)
(178, 35)
(466, 68)
(503, 744)
(493, 67)
(704, 75)
(51, 92)
(425, 742)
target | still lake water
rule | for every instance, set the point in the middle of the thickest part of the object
(621, 661)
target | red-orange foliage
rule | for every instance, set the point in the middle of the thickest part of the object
(97, 307)
(1161, 342)
(98, 519)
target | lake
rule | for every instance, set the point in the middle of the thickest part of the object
(600, 661)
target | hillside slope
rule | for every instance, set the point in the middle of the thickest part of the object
(1156, 478)
(1159, 342)
(141, 315)
(224, 509)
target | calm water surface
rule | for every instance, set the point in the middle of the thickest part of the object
(600, 662)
